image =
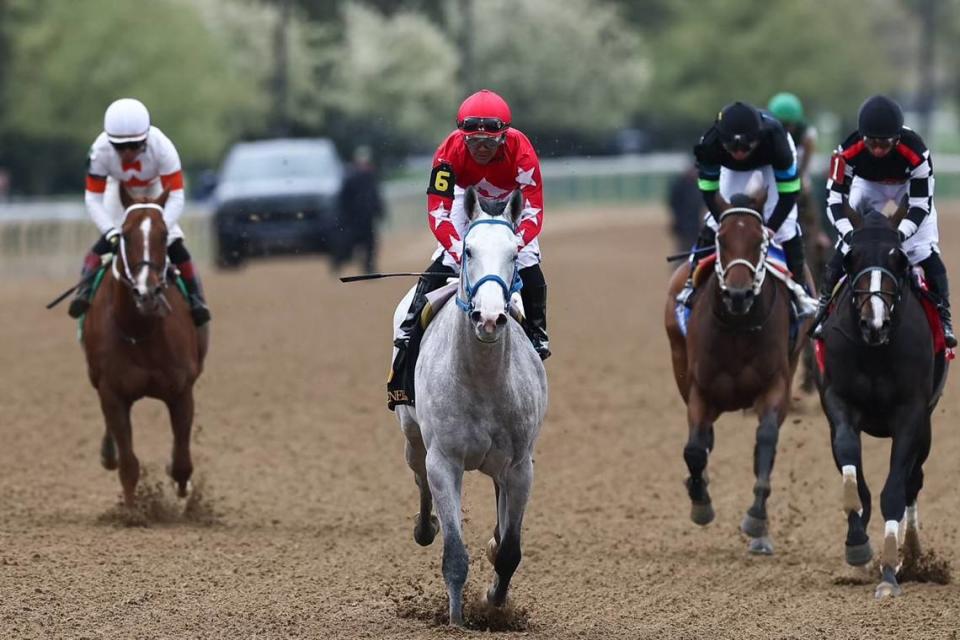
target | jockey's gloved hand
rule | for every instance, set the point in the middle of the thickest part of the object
(113, 236)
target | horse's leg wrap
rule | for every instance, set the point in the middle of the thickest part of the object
(534, 295)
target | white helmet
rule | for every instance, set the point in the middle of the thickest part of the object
(126, 120)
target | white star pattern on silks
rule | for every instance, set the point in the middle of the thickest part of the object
(526, 177)
(489, 190)
(530, 212)
(441, 213)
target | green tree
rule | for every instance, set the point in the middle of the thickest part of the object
(832, 54)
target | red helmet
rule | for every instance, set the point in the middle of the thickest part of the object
(484, 113)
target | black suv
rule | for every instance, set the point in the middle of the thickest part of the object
(277, 197)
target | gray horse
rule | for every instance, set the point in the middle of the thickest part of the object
(481, 395)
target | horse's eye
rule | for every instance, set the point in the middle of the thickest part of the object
(467, 253)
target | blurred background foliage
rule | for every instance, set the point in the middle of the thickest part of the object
(583, 76)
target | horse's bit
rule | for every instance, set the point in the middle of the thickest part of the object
(759, 269)
(471, 289)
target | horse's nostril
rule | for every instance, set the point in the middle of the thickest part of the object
(475, 316)
(501, 319)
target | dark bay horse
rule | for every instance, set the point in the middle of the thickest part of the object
(882, 377)
(140, 341)
(736, 355)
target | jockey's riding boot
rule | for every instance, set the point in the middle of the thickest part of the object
(707, 238)
(939, 287)
(831, 275)
(81, 300)
(198, 305)
(535, 319)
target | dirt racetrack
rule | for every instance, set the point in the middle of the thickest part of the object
(301, 521)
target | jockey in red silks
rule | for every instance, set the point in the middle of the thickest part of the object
(484, 152)
(132, 154)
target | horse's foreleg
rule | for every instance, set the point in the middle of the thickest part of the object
(699, 444)
(772, 411)
(511, 504)
(425, 526)
(910, 441)
(845, 444)
(116, 413)
(181, 421)
(446, 478)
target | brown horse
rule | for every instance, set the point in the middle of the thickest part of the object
(736, 355)
(140, 341)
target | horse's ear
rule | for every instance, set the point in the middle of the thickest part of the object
(853, 215)
(901, 212)
(470, 203)
(125, 198)
(162, 198)
(515, 207)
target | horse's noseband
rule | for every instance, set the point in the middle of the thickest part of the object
(759, 270)
(470, 289)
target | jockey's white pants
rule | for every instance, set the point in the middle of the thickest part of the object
(866, 195)
(748, 182)
(111, 202)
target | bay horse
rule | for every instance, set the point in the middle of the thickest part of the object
(481, 396)
(140, 341)
(736, 355)
(882, 376)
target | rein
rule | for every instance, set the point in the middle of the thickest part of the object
(883, 295)
(471, 289)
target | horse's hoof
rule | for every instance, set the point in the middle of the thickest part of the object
(492, 598)
(424, 534)
(761, 546)
(859, 554)
(184, 489)
(887, 590)
(754, 527)
(492, 548)
(702, 514)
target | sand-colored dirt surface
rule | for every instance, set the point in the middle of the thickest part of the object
(301, 522)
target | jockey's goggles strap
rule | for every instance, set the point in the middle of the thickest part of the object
(471, 289)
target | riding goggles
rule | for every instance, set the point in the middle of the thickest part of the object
(483, 142)
(135, 145)
(473, 124)
(880, 144)
(739, 143)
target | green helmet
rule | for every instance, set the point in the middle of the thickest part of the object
(786, 107)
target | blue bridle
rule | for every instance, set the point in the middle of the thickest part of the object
(471, 289)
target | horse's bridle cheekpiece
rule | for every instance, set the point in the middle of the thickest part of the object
(759, 270)
(471, 289)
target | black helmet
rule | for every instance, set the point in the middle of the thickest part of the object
(738, 124)
(880, 117)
